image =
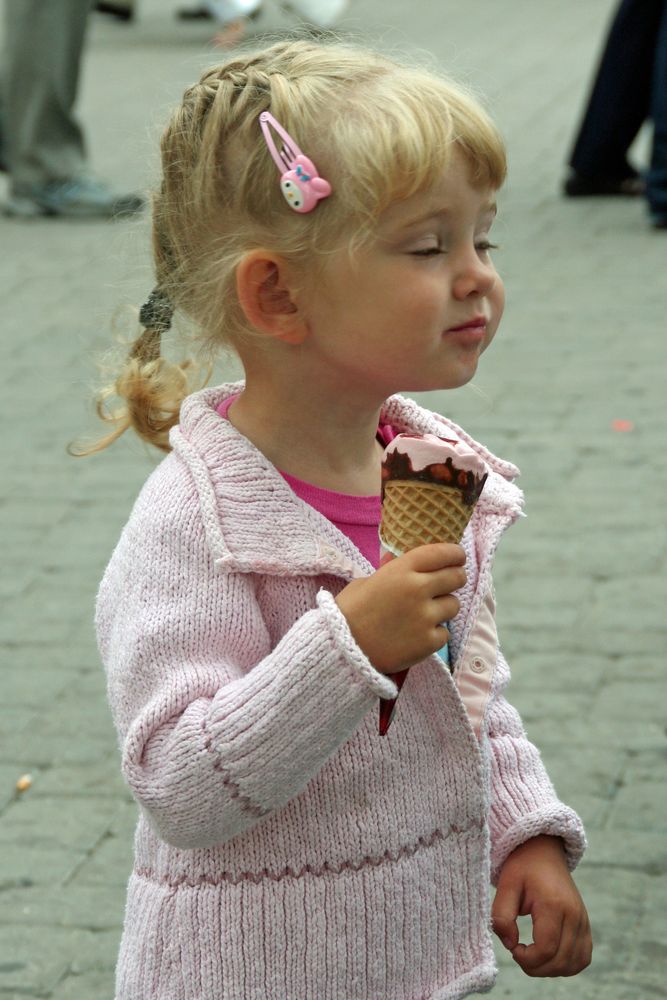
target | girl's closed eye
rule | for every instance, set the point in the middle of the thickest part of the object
(429, 251)
(484, 246)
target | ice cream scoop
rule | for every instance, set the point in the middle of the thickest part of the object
(430, 486)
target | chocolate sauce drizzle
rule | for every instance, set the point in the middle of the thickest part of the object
(397, 465)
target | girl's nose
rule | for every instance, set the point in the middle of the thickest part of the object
(475, 276)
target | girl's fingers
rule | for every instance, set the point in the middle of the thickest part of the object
(444, 582)
(443, 609)
(439, 556)
(562, 946)
(506, 908)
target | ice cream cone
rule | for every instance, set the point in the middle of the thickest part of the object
(430, 488)
(416, 513)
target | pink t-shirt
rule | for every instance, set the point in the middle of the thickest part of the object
(356, 517)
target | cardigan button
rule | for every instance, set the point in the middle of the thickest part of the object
(477, 665)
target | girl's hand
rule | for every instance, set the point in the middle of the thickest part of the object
(396, 614)
(535, 880)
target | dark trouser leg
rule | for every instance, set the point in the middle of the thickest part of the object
(656, 179)
(621, 94)
(44, 41)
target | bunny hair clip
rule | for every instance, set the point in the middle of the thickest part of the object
(300, 183)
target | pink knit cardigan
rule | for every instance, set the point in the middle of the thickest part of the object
(285, 851)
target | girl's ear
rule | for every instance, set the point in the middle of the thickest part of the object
(265, 291)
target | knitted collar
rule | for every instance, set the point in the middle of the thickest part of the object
(255, 522)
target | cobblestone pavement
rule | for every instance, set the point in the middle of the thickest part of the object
(581, 582)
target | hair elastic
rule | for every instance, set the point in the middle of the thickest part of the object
(156, 312)
(300, 183)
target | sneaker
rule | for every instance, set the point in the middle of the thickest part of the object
(83, 198)
(321, 13)
(229, 11)
(581, 186)
(121, 11)
(659, 220)
(199, 13)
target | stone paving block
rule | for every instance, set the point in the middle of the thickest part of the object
(552, 671)
(644, 594)
(643, 850)
(646, 767)
(29, 688)
(615, 638)
(557, 704)
(640, 806)
(33, 863)
(101, 779)
(61, 822)
(41, 960)
(594, 771)
(640, 669)
(31, 657)
(612, 639)
(46, 738)
(110, 863)
(23, 624)
(597, 732)
(617, 905)
(62, 600)
(110, 866)
(627, 698)
(546, 601)
(93, 908)
(84, 986)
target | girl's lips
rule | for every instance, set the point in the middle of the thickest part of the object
(477, 322)
(469, 335)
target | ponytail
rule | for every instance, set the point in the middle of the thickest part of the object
(150, 387)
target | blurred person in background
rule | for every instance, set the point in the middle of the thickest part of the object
(42, 145)
(629, 88)
(232, 16)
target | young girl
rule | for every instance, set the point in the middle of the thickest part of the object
(326, 212)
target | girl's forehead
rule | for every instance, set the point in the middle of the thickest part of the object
(453, 194)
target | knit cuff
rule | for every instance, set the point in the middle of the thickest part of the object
(556, 821)
(362, 668)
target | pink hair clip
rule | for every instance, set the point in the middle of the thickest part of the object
(300, 182)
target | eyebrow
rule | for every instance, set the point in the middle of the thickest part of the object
(490, 208)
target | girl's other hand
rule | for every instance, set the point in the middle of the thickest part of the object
(535, 881)
(396, 614)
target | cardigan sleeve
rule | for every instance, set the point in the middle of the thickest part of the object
(524, 803)
(217, 729)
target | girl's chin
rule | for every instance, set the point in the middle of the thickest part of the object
(438, 386)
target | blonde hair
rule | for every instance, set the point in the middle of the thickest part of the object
(377, 130)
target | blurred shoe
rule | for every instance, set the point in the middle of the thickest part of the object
(322, 13)
(199, 13)
(233, 17)
(659, 220)
(121, 11)
(581, 186)
(229, 11)
(84, 198)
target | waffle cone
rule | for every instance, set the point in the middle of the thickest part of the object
(417, 513)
